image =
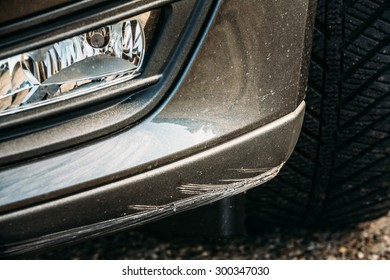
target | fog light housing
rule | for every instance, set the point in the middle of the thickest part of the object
(74, 66)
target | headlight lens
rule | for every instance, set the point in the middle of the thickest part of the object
(73, 66)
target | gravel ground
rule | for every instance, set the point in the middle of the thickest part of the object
(366, 241)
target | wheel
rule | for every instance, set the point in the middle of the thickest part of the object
(339, 172)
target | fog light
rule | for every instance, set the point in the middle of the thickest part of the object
(73, 66)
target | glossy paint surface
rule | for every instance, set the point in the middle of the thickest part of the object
(244, 75)
(222, 171)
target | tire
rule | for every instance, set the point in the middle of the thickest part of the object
(339, 173)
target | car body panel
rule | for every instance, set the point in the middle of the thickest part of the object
(236, 106)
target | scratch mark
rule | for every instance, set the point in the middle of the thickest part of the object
(143, 207)
(252, 170)
(231, 180)
(232, 184)
(202, 194)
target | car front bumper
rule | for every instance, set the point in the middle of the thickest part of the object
(229, 123)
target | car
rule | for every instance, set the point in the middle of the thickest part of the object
(117, 113)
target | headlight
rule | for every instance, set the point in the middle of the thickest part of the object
(74, 66)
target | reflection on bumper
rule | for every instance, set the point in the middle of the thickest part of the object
(222, 171)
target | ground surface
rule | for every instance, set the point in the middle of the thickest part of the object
(367, 241)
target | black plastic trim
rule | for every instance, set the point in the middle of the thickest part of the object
(25, 37)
